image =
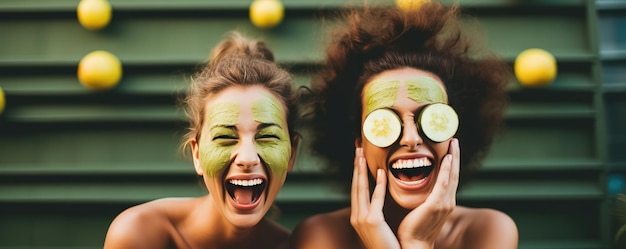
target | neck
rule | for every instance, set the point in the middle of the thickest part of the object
(218, 230)
(394, 213)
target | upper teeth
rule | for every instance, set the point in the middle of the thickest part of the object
(414, 163)
(246, 183)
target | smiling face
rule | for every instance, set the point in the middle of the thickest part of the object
(244, 152)
(412, 162)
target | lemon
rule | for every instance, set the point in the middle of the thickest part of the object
(94, 14)
(99, 70)
(2, 101)
(535, 67)
(266, 13)
(439, 122)
(410, 4)
(382, 127)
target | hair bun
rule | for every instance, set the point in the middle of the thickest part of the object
(236, 45)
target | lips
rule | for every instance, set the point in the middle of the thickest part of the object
(245, 191)
(412, 172)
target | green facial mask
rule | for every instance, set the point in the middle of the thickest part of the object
(382, 92)
(425, 89)
(215, 153)
(273, 143)
(271, 140)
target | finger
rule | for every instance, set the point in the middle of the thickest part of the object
(363, 186)
(456, 165)
(354, 188)
(448, 190)
(378, 197)
(443, 180)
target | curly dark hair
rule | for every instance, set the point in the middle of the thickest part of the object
(374, 39)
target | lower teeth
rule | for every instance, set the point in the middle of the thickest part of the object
(413, 182)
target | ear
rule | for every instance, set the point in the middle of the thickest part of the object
(295, 142)
(195, 152)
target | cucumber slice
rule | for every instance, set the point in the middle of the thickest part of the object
(382, 127)
(439, 122)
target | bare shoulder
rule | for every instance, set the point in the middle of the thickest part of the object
(327, 230)
(143, 226)
(488, 228)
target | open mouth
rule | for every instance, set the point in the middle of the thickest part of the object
(412, 171)
(245, 191)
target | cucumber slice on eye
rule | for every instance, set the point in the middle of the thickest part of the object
(382, 127)
(439, 122)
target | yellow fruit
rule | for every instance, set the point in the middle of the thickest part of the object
(94, 14)
(535, 67)
(439, 122)
(266, 13)
(382, 127)
(99, 70)
(1, 100)
(410, 4)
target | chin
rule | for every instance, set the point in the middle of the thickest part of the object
(246, 221)
(408, 200)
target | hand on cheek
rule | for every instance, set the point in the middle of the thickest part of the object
(366, 216)
(420, 227)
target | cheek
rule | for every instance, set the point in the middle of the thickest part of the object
(276, 155)
(441, 149)
(375, 157)
(214, 158)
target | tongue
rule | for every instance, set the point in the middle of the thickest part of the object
(243, 195)
(407, 178)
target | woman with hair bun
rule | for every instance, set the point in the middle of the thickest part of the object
(241, 109)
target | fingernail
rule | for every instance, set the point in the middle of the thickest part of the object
(380, 172)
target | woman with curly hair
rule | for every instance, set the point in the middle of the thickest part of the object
(405, 97)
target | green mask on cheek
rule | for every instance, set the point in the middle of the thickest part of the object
(215, 155)
(272, 140)
(272, 143)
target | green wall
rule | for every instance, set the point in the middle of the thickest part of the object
(71, 159)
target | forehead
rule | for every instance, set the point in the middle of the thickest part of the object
(247, 98)
(243, 94)
(421, 86)
(403, 74)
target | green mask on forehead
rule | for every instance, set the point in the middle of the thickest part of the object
(382, 92)
(425, 89)
(271, 140)
(273, 143)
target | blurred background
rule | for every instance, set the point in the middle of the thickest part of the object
(73, 156)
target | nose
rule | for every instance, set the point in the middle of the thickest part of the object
(410, 136)
(247, 155)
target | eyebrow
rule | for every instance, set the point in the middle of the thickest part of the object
(230, 127)
(266, 125)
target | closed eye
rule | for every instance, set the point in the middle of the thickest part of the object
(267, 137)
(223, 137)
